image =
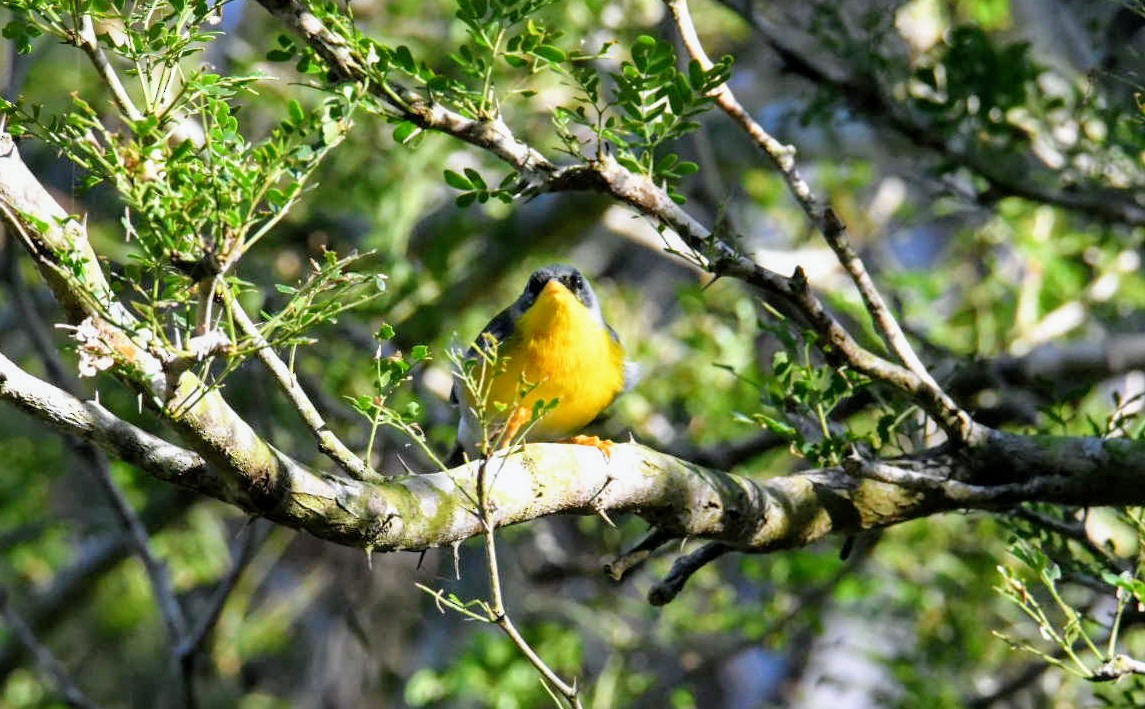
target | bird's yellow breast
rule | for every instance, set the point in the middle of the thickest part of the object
(558, 350)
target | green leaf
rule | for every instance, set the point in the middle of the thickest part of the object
(687, 168)
(405, 131)
(404, 59)
(551, 53)
(296, 113)
(457, 181)
(475, 178)
(696, 75)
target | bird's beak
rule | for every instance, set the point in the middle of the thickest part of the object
(555, 289)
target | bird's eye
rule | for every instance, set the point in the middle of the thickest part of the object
(576, 283)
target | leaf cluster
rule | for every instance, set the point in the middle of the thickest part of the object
(653, 103)
(798, 399)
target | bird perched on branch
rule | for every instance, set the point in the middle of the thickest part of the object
(547, 365)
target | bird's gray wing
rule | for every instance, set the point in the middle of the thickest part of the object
(632, 371)
(499, 329)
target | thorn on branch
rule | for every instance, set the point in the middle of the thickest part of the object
(599, 506)
(798, 281)
(853, 464)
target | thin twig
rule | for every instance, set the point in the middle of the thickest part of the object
(169, 608)
(67, 590)
(44, 657)
(85, 38)
(1075, 532)
(824, 219)
(497, 611)
(1010, 687)
(835, 233)
(328, 443)
(156, 570)
(34, 325)
(187, 651)
(347, 64)
(790, 295)
(124, 513)
(252, 540)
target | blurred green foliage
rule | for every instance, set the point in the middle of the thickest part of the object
(296, 176)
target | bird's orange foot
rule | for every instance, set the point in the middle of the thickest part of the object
(603, 445)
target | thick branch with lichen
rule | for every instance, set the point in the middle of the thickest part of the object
(58, 245)
(232, 463)
(678, 498)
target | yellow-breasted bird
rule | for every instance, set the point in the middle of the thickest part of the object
(551, 344)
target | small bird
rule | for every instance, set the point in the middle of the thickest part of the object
(552, 344)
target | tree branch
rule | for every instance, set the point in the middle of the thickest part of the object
(1069, 363)
(44, 657)
(670, 586)
(681, 499)
(345, 64)
(97, 558)
(609, 177)
(85, 39)
(824, 218)
(327, 441)
(129, 520)
(635, 557)
(241, 557)
(992, 469)
(791, 295)
(1116, 668)
(864, 93)
(71, 585)
(59, 246)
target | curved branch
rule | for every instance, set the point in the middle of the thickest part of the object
(346, 64)
(328, 442)
(1070, 364)
(790, 295)
(243, 463)
(824, 218)
(681, 499)
(231, 463)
